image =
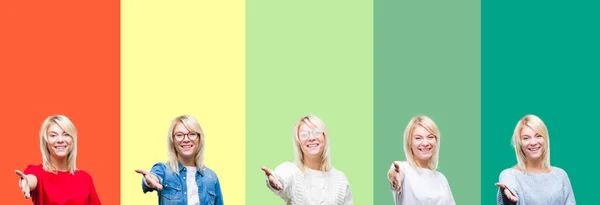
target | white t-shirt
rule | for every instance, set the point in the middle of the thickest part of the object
(423, 186)
(192, 187)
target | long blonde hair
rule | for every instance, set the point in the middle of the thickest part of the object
(313, 121)
(535, 123)
(192, 125)
(66, 125)
(432, 128)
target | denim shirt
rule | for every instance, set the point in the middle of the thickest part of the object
(174, 191)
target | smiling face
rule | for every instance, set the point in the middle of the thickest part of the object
(423, 145)
(59, 142)
(186, 141)
(532, 144)
(311, 140)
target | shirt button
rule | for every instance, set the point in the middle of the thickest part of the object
(185, 193)
(183, 177)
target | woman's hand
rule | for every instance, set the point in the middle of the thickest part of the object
(396, 176)
(507, 192)
(23, 184)
(272, 179)
(150, 179)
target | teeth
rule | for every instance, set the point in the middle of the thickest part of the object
(312, 145)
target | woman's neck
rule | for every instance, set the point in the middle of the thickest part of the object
(535, 166)
(188, 162)
(313, 162)
(59, 164)
(423, 163)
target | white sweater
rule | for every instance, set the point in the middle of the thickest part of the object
(311, 187)
(423, 186)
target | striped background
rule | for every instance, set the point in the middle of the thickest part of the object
(248, 70)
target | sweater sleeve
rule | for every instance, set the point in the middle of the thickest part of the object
(448, 190)
(508, 179)
(398, 197)
(93, 197)
(37, 171)
(284, 173)
(348, 199)
(568, 190)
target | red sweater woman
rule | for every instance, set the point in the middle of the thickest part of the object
(56, 180)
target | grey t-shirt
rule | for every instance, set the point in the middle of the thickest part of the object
(553, 188)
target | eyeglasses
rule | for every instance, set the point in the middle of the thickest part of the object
(304, 134)
(180, 136)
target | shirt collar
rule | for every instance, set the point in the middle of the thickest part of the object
(181, 168)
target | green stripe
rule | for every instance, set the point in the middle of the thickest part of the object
(309, 57)
(427, 61)
(541, 57)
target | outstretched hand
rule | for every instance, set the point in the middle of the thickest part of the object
(23, 184)
(396, 176)
(151, 179)
(507, 192)
(272, 179)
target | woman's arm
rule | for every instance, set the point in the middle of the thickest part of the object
(507, 188)
(93, 197)
(348, 199)
(152, 180)
(280, 180)
(219, 199)
(569, 191)
(27, 183)
(396, 177)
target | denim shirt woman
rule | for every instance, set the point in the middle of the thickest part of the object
(184, 179)
(174, 187)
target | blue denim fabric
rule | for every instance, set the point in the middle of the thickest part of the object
(174, 190)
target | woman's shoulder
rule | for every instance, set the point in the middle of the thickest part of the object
(338, 174)
(510, 171)
(559, 171)
(83, 174)
(36, 170)
(208, 172)
(160, 166)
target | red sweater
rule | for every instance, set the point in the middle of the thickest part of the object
(62, 188)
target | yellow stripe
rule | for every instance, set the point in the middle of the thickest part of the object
(182, 58)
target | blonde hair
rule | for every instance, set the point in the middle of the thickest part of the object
(430, 126)
(66, 125)
(192, 125)
(537, 125)
(313, 121)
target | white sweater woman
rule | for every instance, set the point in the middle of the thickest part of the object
(311, 187)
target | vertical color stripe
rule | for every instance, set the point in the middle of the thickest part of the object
(309, 57)
(183, 58)
(541, 59)
(60, 58)
(427, 62)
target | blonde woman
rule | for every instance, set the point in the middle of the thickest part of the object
(184, 179)
(533, 180)
(57, 180)
(310, 179)
(416, 181)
